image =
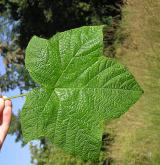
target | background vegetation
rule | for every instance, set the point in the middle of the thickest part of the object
(132, 36)
(137, 132)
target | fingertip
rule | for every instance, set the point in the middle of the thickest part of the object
(7, 114)
(8, 103)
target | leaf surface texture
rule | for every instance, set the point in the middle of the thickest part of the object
(79, 90)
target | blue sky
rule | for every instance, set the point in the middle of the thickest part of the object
(12, 153)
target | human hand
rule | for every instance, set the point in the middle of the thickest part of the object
(5, 118)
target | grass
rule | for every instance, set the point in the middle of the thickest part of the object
(137, 133)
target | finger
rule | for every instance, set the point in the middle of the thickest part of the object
(7, 113)
(6, 119)
(1, 105)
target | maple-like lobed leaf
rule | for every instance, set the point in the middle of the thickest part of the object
(80, 90)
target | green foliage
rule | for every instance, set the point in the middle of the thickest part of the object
(44, 18)
(21, 19)
(80, 89)
(45, 153)
(15, 74)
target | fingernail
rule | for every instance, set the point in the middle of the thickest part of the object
(8, 103)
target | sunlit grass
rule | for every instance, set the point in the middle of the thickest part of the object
(137, 133)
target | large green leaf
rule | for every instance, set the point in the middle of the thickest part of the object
(80, 89)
